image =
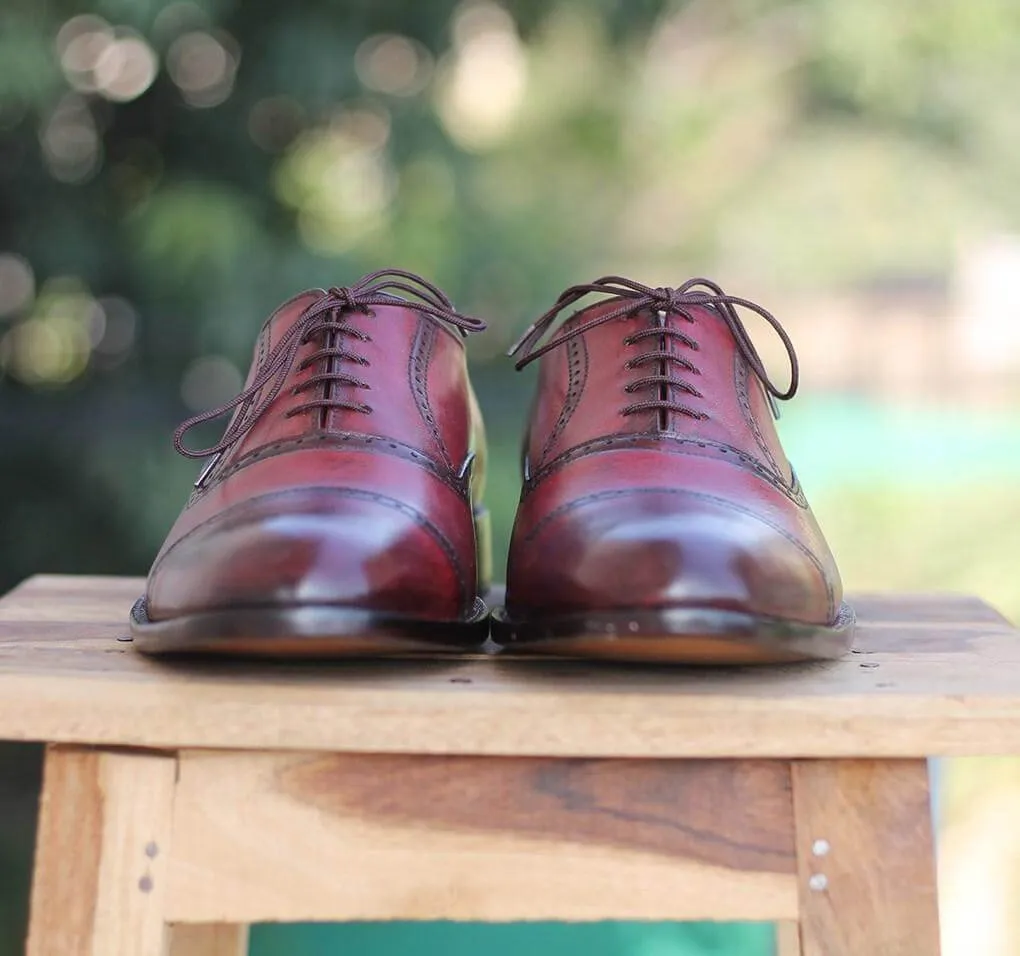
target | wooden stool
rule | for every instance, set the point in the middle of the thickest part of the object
(183, 802)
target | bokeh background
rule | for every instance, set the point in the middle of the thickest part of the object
(170, 171)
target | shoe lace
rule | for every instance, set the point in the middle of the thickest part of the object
(323, 320)
(633, 297)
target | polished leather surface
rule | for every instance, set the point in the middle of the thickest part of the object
(337, 506)
(660, 508)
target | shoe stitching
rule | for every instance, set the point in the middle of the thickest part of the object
(417, 375)
(740, 381)
(577, 372)
(671, 444)
(340, 441)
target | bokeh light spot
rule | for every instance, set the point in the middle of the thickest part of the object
(484, 80)
(177, 18)
(209, 381)
(17, 283)
(52, 346)
(81, 43)
(118, 328)
(203, 67)
(50, 351)
(125, 69)
(393, 64)
(339, 180)
(70, 141)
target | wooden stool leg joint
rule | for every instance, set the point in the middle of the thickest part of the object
(865, 858)
(101, 853)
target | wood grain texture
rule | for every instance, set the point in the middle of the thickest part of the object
(360, 837)
(870, 887)
(937, 675)
(102, 852)
(208, 939)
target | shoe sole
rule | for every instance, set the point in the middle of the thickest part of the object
(305, 631)
(701, 636)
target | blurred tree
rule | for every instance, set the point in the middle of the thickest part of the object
(169, 171)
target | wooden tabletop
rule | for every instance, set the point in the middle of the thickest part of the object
(929, 675)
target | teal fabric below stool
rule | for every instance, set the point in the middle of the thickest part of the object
(535, 939)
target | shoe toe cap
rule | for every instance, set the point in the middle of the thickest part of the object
(325, 547)
(668, 550)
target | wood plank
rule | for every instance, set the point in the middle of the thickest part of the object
(533, 711)
(865, 858)
(79, 598)
(937, 675)
(788, 938)
(294, 837)
(922, 608)
(99, 880)
(208, 939)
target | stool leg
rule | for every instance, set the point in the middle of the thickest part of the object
(101, 852)
(865, 858)
(788, 938)
(208, 939)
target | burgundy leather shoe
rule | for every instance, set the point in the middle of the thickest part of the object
(337, 515)
(660, 519)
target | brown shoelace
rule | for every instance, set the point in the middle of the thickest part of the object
(633, 297)
(323, 319)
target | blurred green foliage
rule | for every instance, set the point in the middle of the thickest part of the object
(784, 144)
(169, 171)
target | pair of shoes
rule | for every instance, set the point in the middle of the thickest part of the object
(341, 515)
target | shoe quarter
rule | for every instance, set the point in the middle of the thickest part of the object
(582, 394)
(442, 392)
(274, 425)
